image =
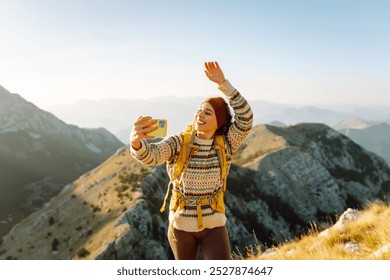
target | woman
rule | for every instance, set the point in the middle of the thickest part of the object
(195, 220)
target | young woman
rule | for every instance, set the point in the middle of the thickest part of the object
(197, 218)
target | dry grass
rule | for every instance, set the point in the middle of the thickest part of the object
(356, 240)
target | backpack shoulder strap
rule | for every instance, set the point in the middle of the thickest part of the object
(181, 162)
(188, 139)
(220, 148)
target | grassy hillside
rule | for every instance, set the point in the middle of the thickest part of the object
(83, 219)
(32, 171)
(366, 238)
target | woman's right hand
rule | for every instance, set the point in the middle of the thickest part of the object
(141, 127)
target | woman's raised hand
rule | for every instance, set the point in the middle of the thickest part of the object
(214, 72)
(141, 127)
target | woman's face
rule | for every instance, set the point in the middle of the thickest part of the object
(205, 119)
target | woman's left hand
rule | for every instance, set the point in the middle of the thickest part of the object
(214, 72)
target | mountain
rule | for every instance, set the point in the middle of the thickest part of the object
(118, 115)
(282, 181)
(40, 154)
(309, 114)
(354, 123)
(375, 138)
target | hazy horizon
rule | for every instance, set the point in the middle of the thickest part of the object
(330, 106)
(340, 107)
(292, 52)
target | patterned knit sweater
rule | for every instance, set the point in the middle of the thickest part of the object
(202, 178)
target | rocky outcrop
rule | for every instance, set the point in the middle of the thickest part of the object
(348, 216)
(283, 179)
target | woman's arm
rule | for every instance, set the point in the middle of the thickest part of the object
(151, 153)
(243, 116)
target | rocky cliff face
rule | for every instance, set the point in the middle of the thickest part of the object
(282, 181)
(309, 173)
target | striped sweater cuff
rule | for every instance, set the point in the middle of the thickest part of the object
(227, 88)
(139, 153)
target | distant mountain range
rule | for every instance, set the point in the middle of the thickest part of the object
(118, 115)
(282, 181)
(375, 138)
(40, 154)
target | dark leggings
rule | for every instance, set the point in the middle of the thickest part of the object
(214, 244)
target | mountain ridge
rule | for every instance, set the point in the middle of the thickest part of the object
(117, 115)
(39, 154)
(282, 181)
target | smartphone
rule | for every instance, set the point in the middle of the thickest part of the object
(161, 130)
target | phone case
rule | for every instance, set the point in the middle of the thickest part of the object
(161, 130)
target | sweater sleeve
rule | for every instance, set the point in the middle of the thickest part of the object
(243, 116)
(152, 154)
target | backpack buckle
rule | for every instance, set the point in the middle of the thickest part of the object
(191, 201)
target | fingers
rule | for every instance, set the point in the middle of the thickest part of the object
(142, 126)
(142, 120)
(145, 128)
(148, 129)
(211, 65)
(206, 64)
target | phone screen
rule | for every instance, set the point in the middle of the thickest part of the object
(161, 130)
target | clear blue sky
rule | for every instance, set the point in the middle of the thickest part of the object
(324, 51)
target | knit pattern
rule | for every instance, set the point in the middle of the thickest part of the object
(202, 178)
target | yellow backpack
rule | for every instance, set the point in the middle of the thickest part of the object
(178, 201)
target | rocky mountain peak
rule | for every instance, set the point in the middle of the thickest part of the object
(17, 114)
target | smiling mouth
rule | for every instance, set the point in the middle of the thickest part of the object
(200, 122)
